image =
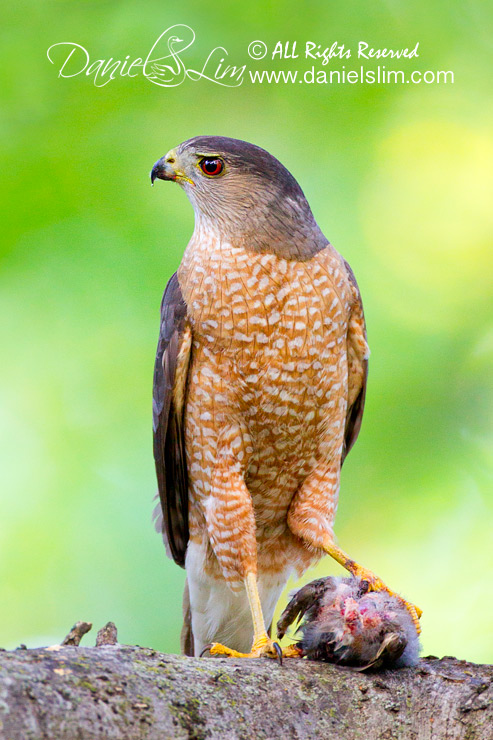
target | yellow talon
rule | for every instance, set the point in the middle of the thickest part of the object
(262, 647)
(217, 649)
(292, 651)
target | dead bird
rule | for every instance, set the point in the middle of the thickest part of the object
(343, 622)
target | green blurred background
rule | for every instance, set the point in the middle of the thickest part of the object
(400, 180)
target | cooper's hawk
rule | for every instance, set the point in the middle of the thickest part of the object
(259, 389)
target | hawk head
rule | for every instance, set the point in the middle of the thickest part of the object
(244, 195)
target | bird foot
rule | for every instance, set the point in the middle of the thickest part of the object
(376, 584)
(292, 651)
(263, 647)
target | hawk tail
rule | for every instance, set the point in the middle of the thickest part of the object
(186, 637)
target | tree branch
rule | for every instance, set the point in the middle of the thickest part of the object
(116, 691)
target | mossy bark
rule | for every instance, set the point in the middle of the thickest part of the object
(131, 693)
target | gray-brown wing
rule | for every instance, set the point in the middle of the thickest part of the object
(303, 600)
(169, 390)
(358, 369)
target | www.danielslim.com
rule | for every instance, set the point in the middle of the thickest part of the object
(381, 75)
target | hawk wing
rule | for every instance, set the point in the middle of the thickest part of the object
(169, 390)
(358, 352)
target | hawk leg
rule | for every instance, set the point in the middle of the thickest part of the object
(232, 531)
(311, 517)
(262, 645)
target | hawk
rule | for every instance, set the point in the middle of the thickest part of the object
(259, 389)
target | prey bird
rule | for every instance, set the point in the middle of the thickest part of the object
(343, 622)
(259, 388)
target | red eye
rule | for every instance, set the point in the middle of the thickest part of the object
(211, 166)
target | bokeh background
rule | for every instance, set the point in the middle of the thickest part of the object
(399, 178)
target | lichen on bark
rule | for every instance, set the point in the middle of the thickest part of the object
(132, 693)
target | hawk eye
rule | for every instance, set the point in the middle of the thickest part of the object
(211, 166)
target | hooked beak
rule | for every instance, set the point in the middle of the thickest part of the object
(165, 171)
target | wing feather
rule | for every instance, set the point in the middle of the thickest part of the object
(169, 392)
(357, 368)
